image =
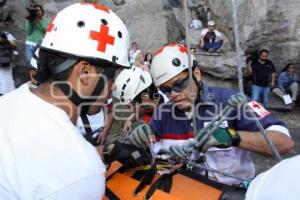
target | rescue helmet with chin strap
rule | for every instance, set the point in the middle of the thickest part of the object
(88, 32)
(130, 83)
(169, 61)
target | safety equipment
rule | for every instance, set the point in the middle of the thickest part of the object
(129, 155)
(143, 183)
(221, 137)
(131, 82)
(169, 61)
(141, 136)
(91, 32)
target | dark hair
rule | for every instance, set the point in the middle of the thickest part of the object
(147, 55)
(46, 67)
(287, 66)
(39, 6)
(133, 43)
(151, 90)
(263, 51)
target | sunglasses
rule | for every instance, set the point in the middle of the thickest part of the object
(177, 87)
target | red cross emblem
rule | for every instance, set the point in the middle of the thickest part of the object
(97, 6)
(102, 37)
(51, 25)
(255, 105)
(182, 48)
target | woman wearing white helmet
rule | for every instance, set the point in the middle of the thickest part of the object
(135, 87)
(42, 154)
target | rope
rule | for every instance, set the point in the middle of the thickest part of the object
(240, 78)
(187, 39)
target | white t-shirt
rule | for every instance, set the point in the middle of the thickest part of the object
(281, 182)
(42, 154)
(132, 55)
(218, 34)
(6, 79)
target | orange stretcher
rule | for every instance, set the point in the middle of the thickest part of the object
(180, 185)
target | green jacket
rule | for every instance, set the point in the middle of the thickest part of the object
(35, 31)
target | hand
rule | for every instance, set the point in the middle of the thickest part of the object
(129, 155)
(127, 126)
(272, 84)
(101, 137)
(221, 137)
(141, 136)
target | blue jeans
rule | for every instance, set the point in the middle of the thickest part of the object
(29, 51)
(214, 45)
(260, 94)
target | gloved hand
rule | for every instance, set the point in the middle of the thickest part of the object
(221, 137)
(129, 155)
(141, 136)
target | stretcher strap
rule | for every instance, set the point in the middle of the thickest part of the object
(110, 195)
(146, 180)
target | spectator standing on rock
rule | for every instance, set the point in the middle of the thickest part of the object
(7, 45)
(264, 73)
(211, 40)
(287, 83)
(139, 62)
(148, 59)
(35, 27)
(134, 51)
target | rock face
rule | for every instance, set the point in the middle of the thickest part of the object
(271, 24)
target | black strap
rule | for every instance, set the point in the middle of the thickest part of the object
(164, 183)
(88, 131)
(110, 195)
(146, 180)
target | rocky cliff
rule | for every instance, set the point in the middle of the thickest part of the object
(271, 24)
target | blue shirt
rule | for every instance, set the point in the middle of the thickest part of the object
(170, 123)
(285, 80)
(173, 127)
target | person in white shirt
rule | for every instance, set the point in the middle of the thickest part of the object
(42, 153)
(211, 40)
(134, 51)
(279, 182)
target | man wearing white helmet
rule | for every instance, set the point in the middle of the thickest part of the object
(172, 122)
(211, 39)
(134, 87)
(42, 154)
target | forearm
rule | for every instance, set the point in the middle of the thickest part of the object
(255, 142)
(273, 77)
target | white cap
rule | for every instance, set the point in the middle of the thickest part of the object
(211, 23)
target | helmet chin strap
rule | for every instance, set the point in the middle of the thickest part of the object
(107, 74)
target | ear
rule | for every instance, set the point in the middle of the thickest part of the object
(83, 69)
(197, 73)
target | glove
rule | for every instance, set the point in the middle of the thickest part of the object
(141, 136)
(222, 138)
(129, 155)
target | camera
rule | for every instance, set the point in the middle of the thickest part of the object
(32, 12)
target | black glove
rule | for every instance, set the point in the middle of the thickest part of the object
(129, 155)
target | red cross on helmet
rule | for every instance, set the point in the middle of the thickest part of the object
(89, 31)
(168, 62)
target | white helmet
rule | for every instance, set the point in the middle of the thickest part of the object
(130, 82)
(89, 31)
(169, 61)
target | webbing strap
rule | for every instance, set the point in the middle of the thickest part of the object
(88, 131)
(110, 195)
(164, 183)
(146, 180)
